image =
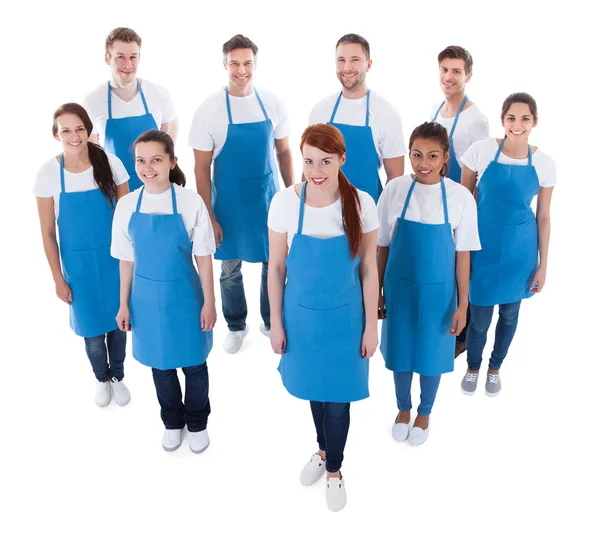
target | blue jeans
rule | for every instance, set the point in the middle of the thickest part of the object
(107, 354)
(233, 298)
(429, 388)
(174, 413)
(332, 421)
(481, 318)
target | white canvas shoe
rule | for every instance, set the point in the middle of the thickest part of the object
(103, 393)
(400, 431)
(120, 392)
(234, 340)
(171, 439)
(312, 471)
(417, 436)
(199, 441)
(335, 494)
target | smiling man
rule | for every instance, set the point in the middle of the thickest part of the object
(239, 131)
(127, 106)
(371, 126)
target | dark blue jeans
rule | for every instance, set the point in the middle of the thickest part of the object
(481, 318)
(429, 388)
(332, 421)
(107, 354)
(174, 413)
(233, 298)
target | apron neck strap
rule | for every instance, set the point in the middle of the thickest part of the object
(228, 106)
(444, 200)
(109, 101)
(139, 86)
(302, 202)
(337, 103)
(367, 114)
(529, 159)
(139, 201)
(460, 109)
(142, 96)
(262, 106)
(438, 111)
(173, 199)
(62, 173)
(408, 196)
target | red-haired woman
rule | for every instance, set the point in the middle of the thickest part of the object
(322, 239)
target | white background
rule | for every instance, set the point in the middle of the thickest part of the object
(524, 463)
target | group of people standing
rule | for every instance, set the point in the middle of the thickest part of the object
(430, 255)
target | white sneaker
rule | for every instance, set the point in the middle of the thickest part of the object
(336, 493)
(199, 441)
(264, 330)
(103, 393)
(120, 392)
(400, 431)
(418, 436)
(233, 341)
(171, 439)
(312, 471)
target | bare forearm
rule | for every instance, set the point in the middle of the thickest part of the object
(382, 253)
(204, 188)
(463, 269)
(370, 289)
(52, 255)
(275, 284)
(205, 270)
(286, 168)
(543, 240)
(126, 276)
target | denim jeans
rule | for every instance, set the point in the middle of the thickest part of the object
(233, 298)
(429, 388)
(481, 318)
(332, 421)
(174, 413)
(107, 354)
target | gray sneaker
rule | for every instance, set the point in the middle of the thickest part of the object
(469, 383)
(493, 385)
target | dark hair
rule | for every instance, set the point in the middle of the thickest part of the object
(103, 176)
(358, 39)
(455, 52)
(523, 98)
(153, 135)
(330, 140)
(432, 130)
(239, 41)
(127, 35)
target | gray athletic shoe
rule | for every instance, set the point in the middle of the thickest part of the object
(469, 383)
(493, 385)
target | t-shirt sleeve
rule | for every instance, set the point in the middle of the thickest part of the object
(87, 104)
(200, 137)
(369, 219)
(203, 238)
(469, 159)
(480, 130)
(283, 128)
(547, 173)
(384, 232)
(277, 213)
(392, 142)
(167, 106)
(120, 174)
(466, 234)
(313, 117)
(122, 246)
(41, 187)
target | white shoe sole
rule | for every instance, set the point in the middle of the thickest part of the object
(468, 393)
(200, 450)
(491, 394)
(171, 448)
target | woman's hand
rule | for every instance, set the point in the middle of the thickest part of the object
(123, 319)
(63, 291)
(459, 321)
(208, 317)
(370, 341)
(539, 280)
(278, 339)
(381, 313)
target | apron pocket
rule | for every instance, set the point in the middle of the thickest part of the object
(325, 330)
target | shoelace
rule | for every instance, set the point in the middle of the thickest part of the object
(472, 377)
(493, 378)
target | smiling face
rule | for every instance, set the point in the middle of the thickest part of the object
(453, 76)
(240, 64)
(152, 163)
(321, 169)
(427, 157)
(351, 65)
(123, 60)
(71, 133)
(518, 122)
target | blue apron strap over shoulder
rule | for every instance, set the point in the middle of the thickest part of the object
(368, 106)
(410, 191)
(227, 103)
(62, 173)
(301, 215)
(460, 109)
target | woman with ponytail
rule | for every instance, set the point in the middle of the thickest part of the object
(323, 297)
(77, 192)
(158, 230)
(428, 228)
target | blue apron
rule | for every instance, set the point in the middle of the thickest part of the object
(324, 320)
(120, 134)
(419, 286)
(362, 161)
(84, 229)
(166, 294)
(244, 183)
(503, 270)
(454, 167)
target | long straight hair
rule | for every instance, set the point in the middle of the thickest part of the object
(154, 135)
(103, 176)
(330, 140)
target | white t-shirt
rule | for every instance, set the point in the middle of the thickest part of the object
(481, 153)
(158, 100)
(384, 120)
(319, 222)
(210, 123)
(426, 206)
(189, 205)
(472, 126)
(47, 182)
